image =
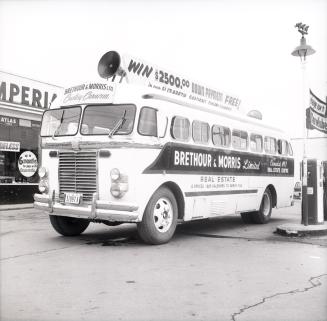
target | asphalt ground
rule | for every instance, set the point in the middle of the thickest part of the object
(217, 269)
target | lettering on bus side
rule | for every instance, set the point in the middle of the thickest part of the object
(186, 159)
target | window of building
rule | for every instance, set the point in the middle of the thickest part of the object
(256, 143)
(15, 139)
(240, 139)
(270, 145)
(221, 136)
(180, 128)
(200, 131)
(148, 122)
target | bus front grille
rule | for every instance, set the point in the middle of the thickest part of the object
(78, 174)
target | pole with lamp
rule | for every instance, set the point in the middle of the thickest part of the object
(302, 51)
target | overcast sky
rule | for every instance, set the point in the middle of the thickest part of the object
(239, 46)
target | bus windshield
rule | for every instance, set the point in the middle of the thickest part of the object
(60, 122)
(108, 120)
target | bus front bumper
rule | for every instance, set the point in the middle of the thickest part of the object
(97, 210)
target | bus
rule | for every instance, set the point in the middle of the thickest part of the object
(116, 152)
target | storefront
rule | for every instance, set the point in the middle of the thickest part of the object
(22, 102)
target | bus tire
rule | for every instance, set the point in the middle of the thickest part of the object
(159, 218)
(263, 215)
(68, 226)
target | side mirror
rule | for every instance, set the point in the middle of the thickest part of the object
(162, 122)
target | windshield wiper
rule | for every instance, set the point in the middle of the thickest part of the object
(118, 125)
(58, 128)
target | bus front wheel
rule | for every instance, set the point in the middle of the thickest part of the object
(263, 215)
(68, 226)
(160, 218)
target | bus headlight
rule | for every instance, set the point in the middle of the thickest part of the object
(119, 183)
(42, 172)
(43, 186)
(114, 174)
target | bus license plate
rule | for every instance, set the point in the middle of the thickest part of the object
(72, 198)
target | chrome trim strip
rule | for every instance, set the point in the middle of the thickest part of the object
(98, 210)
(97, 145)
(116, 207)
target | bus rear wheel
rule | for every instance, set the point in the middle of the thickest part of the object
(160, 218)
(68, 226)
(263, 215)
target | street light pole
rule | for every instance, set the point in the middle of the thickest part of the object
(302, 51)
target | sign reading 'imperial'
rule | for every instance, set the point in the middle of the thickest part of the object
(27, 92)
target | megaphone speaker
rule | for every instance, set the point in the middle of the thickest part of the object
(109, 65)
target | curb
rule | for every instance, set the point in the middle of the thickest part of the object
(16, 206)
(300, 230)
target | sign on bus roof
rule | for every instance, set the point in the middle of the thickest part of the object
(88, 93)
(137, 71)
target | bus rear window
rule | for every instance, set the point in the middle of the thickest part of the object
(200, 131)
(282, 147)
(256, 143)
(180, 128)
(270, 145)
(240, 139)
(220, 136)
(102, 119)
(290, 149)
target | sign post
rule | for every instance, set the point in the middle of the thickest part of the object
(302, 51)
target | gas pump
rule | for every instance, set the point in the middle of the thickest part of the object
(315, 192)
(325, 189)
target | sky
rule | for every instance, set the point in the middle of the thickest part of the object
(238, 46)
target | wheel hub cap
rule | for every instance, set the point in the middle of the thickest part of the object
(163, 215)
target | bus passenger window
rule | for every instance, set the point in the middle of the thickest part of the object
(240, 139)
(148, 122)
(180, 128)
(270, 145)
(256, 143)
(220, 136)
(282, 147)
(290, 149)
(200, 131)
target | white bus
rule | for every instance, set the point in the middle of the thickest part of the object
(119, 153)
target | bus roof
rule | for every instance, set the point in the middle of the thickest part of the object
(111, 92)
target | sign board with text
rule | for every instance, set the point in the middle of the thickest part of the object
(316, 114)
(27, 92)
(176, 85)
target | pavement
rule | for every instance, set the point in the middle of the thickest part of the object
(8, 207)
(217, 269)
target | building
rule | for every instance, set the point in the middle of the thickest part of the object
(22, 102)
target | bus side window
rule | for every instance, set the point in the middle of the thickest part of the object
(256, 143)
(290, 149)
(220, 136)
(147, 125)
(240, 139)
(270, 145)
(162, 122)
(282, 147)
(180, 128)
(200, 131)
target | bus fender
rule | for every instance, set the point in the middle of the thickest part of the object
(175, 189)
(273, 194)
